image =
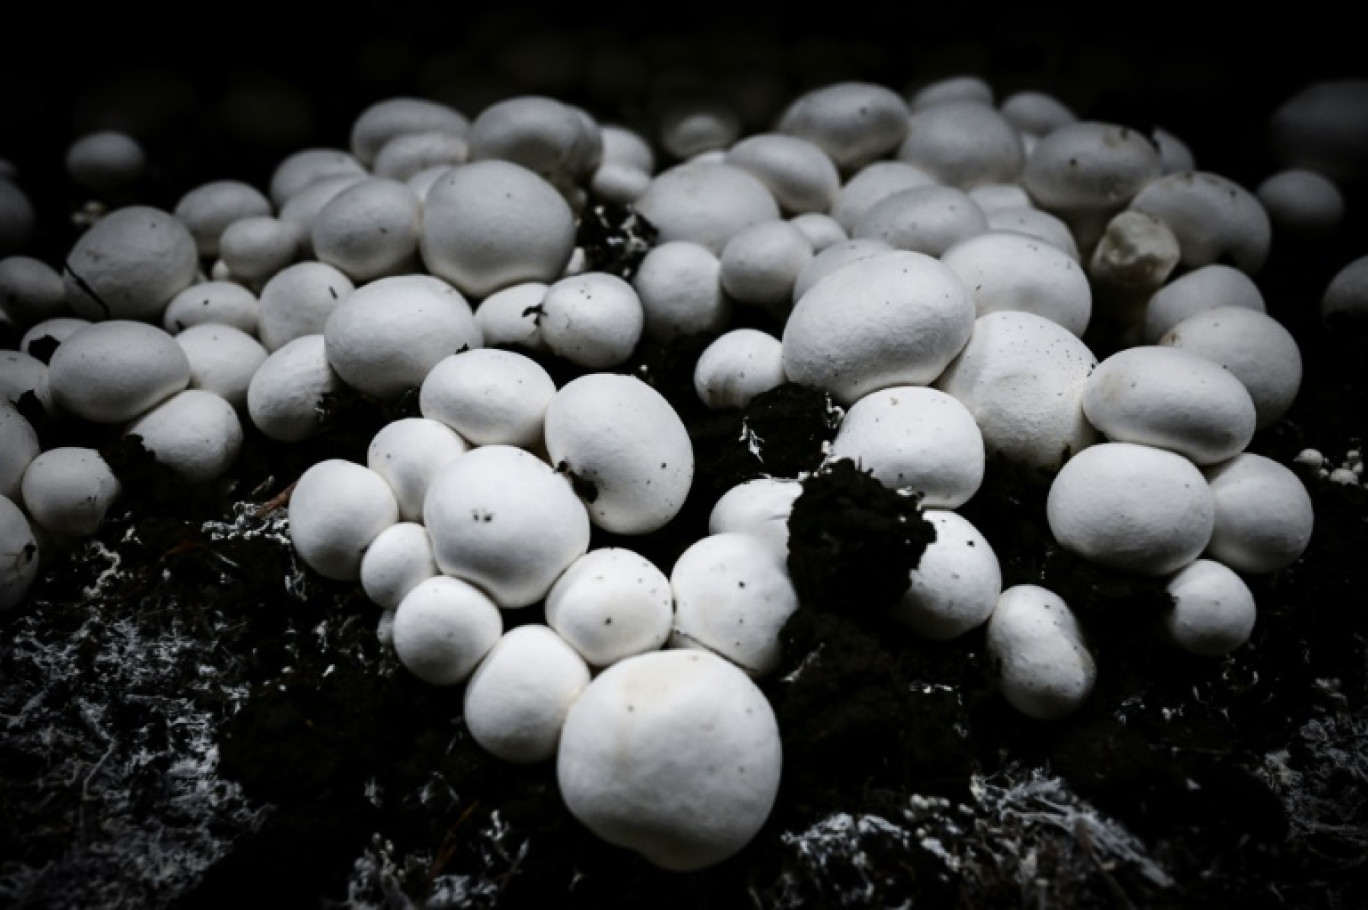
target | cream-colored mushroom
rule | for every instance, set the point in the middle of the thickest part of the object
(1214, 218)
(680, 289)
(1205, 288)
(409, 453)
(963, 144)
(212, 303)
(802, 177)
(853, 122)
(1010, 271)
(1213, 610)
(129, 265)
(298, 300)
(369, 230)
(396, 562)
(209, 208)
(872, 184)
(223, 360)
(389, 117)
(926, 219)
(336, 509)
(706, 203)
(113, 371)
(737, 366)
(594, 320)
(68, 491)
(509, 317)
(288, 392)
(299, 169)
(195, 433)
(253, 250)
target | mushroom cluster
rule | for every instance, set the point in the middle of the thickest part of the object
(965, 278)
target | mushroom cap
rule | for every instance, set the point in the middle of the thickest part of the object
(1007, 270)
(491, 224)
(610, 604)
(337, 508)
(390, 117)
(288, 391)
(927, 219)
(18, 555)
(1022, 376)
(916, 439)
(386, 336)
(761, 263)
(212, 303)
(956, 584)
(509, 317)
(1171, 399)
(67, 491)
(1045, 668)
(197, 434)
(894, 319)
(408, 453)
(760, 507)
(873, 183)
(1251, 344)
(22, 373)
(1214, 218)
(673, 754)
(517, 698)
(738, 365)
(802, 177)
(594, 320)
(210, 207)
(129, 265)
(853, 122)
(397, 560)
(963, 144)
(732, 595)
(1131, 507)
(31, 289)
(109, 372)
(1089, 166)
(299, 169)
(18, 447)
(680, 289)
(489, 396)
(1213, 610)
(1264, 516)
(298, 300)
(1346, 296)
(443, 628)
(369, 229)
(502, 519)
(1205, 288)
(705, 203)
(620, 436)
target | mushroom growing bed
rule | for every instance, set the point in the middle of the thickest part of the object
(342, 639)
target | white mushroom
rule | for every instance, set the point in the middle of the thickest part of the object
(509, 317)
(820, 229)
(1132, 259)
(129, 265)
(384, 337)
(894, 319)
(705, 203)
(956, 584)
(995, 197)
(801, 176)
(680, 289)
(1010, 271)
(926, 219)
(19, 556)
(963, 144)
(594, 320)
(517, 698)
(1022, 376)
(223, 360)
(197, 434)
(306, 166)
(689, 128)
(409, 453)
(337, 508)
(1206, 288)
(298, 300)
(488, 225)
(556, 141)
(31, 290)
(853, 122)
(443, 628)
(1089, 166)
(288, 392)
(1254, 346)
(502, 519)
(106, 161)
(1035, 222)
(626, 449)
(737, 366)
(1171, 399)
(303, 207)
(759, 507)
(67, 491)
(1346, 296)
(254, 249)
(1301, 203)
(1264, 516)
(673, 754)
(1044, 667)
(1214, 218)
(965, 88)
(22, 373)
(109, 372)
(732, 596)
(210, 207)
(390, 117)
(212, 303)
(369, 230)
(57, 329)
(396, 562)
(761, 263)
(833, 257)
(872, 184)
(1036, 112)
(18, 447)
(610, 604)
(1213, 610)
(1131, 507)
(489, 397)
(916, 439)
(408, 154)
